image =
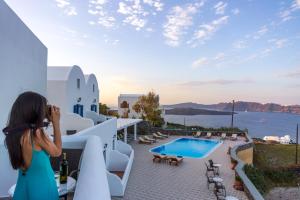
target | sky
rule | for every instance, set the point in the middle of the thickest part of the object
(204, 51)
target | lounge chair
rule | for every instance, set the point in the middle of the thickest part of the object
(198, 134)
(143, 141)
(233, 137)
(175, 160)
(157, 136)
(149, 139)
(208, 135)
(162, 135)
(223, 136)
(159, 158)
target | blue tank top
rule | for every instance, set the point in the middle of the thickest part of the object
(38, 181)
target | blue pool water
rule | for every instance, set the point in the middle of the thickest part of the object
(187, 147)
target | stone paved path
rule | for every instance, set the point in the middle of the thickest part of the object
(154, 181)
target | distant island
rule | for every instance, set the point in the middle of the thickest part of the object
(190, 108)
(193, 111)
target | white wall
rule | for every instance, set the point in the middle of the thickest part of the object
(105, 131)
(97, 118)
(90, 94)
(131, 100)
(23, 67)
(62, 87)
(56, 94)
(73, 93)
(92, 181)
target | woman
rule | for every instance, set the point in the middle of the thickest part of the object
(29, 147)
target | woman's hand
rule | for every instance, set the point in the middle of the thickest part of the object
(55, 115)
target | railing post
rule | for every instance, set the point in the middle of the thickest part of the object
(135, 131)
(125, 135)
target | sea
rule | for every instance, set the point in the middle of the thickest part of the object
(259, 124)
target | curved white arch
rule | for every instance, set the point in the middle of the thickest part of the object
(92, 93)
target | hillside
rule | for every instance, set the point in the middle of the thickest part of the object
(193, 111)
(240, 106)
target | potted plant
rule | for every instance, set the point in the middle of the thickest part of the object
(233, 164)
(238, 184)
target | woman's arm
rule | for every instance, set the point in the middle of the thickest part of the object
(54, 148)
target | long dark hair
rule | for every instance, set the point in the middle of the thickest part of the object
(28, 112)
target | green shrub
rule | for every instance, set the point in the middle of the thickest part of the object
(257, 178)
(280, 177)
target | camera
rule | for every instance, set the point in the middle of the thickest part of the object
(48, 112)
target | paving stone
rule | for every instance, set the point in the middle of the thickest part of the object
(154, 181)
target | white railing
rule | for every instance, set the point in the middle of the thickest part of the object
(123, 148)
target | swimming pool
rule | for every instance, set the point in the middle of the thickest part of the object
(187, 147)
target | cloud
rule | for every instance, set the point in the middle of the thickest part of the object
(70, 11)
(286, 14)
(235, 11)
(278, 43)
(240, 44)
(295, 74)
(220, 8)
(179, 19)
(157, 4)
(216, 82)
(67, 7)
(62, 3)
(262, 31)
(135, 12)
(206, 31)
(219, 56)
(96, 8)
(199, 63)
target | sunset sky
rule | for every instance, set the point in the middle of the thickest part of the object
(204, 51)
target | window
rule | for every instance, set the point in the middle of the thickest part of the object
(93, 87)
(78, 83)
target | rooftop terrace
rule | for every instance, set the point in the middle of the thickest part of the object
(150, 180)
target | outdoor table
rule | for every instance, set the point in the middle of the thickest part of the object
(217, 165)
(231, 198)
(217, 179)
(63, 189)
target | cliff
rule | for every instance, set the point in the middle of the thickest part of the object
(241, 106)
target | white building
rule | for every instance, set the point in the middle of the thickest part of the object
(125, 104)
(92, 93)
(66, 88)
(91, 99)
(282, 140)
(23, 61)
(23, 67)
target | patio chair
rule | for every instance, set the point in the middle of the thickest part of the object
(162, 135)
(220, 191)
(143, 141)
(159, 158)
(209, 179)
(210, 169)
(233, 137)
(223, 136)
(157, 136)
(208, 135)
(149, 139)
(175, 160)
(198, 134)
(215, 166)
